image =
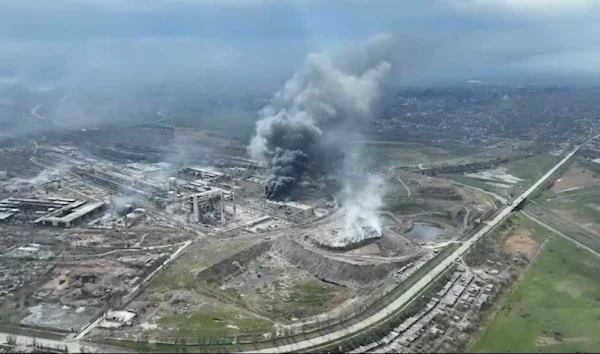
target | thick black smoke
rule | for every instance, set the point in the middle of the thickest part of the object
(318, 109)
(286, 169)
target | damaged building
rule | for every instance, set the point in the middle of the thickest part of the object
(52, 211)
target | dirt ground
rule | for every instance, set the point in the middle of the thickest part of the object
(575, 176)
(63, 276)
(520, 242)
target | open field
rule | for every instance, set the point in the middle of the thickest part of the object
(479, 184)
(520, 241)
(399, 153)
(300, 297)
(580, 222)
(212, 321)
(554, 308)
(229, 121)
(179, 304)
(575, 178)
(533, 167)
(574, 211)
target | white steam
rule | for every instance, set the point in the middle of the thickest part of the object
(362, 205)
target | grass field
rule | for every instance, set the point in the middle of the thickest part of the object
(533, 167)
(583, 204)
(311, 297)
(477, 184)
(554, 308)
(218, 322)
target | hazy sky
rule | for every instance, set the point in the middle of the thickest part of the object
(242, 42)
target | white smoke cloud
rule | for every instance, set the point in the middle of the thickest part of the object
(47, 175)
(362, 204)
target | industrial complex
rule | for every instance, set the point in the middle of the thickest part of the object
(348, 216)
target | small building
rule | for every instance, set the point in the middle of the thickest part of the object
(117, 319)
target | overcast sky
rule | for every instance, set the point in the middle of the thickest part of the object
(249, 41)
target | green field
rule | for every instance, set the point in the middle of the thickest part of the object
(533, 167)
(307, 298)
(216, 322)
(554, 308)
(582, 205)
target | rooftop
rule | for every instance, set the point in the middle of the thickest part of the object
(291, 204)
(77, 213)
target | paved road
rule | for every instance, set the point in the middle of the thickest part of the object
(36, 114)
(401, 301)
(405, 186)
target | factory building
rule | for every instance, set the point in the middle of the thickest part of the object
(209, 204)
(290, 208)
(73, 217)
(205, 174)
(118, 181)
(51, 211)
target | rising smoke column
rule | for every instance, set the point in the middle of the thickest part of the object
(311, 118)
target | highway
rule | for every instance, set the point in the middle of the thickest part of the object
(404, 299)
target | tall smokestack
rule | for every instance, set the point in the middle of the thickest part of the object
(195, 210)
(233, 198)
(222, 207)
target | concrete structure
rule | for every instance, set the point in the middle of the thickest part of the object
(69, 217)
(211, 201)
(205, 173)
(117, 319)
(53, 211)
(291, 208)
(119, 181)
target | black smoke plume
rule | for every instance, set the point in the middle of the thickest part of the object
(286, 169)
(318, 110)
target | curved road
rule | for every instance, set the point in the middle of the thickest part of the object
(34, 112)
(401, 301)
